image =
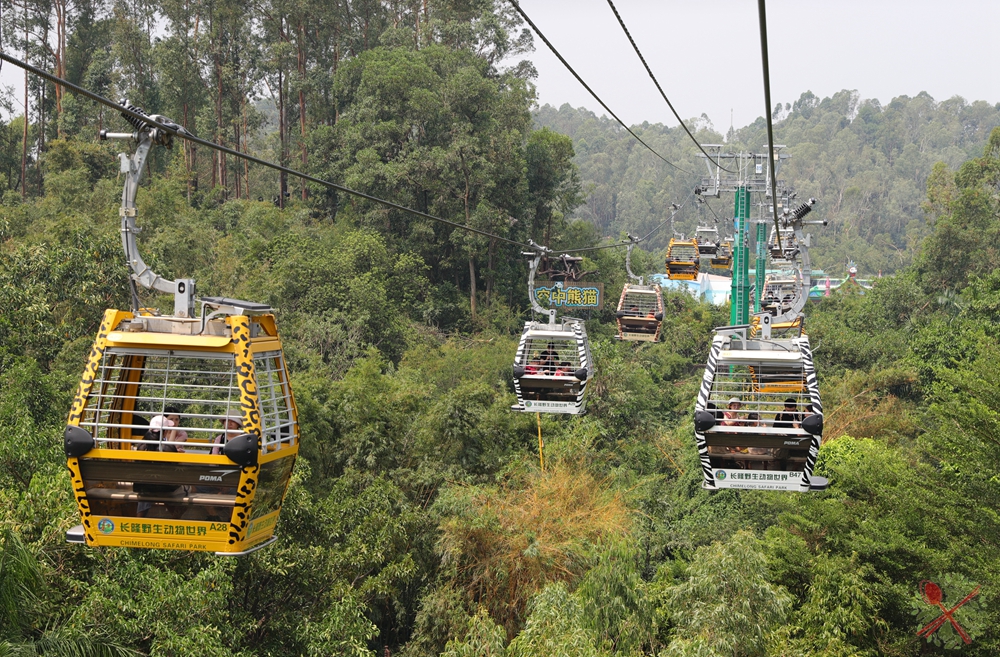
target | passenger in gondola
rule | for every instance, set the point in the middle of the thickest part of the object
(534, 368)
(549, 358)
(731, 417)
(563, 369)
(232, 423)
(788, 418)
(172, 413)
(158, 430)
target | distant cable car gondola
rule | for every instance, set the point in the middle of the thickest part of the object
(723, 258)
(759, 416)
(183, 431)
(640, 309)
(553, 363)
(683, 262)
(708, 240)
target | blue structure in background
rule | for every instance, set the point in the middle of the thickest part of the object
(711, 288)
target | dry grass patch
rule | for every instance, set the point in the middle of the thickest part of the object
(505, 543)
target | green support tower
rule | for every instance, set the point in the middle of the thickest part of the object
(747, 175)
(761, 250)
(739, 312)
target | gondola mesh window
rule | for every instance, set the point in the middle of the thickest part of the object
(639, 304)
(762, 390)
(683, 252)
(200, 388)
(547, 356)
(275, 399)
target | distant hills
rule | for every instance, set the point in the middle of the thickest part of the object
(866, 163)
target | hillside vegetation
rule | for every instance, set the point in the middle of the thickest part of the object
(420, 520)
(868, 166)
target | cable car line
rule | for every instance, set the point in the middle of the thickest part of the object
(767, 114)
(587, 87)
(660, 89)
(711, 209)
(677, 208)
(179, 131)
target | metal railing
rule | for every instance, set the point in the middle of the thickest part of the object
(758, 396)
(549, 356)
(183, 401)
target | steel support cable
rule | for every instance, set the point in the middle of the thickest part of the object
(767, 114)
(652, 77)
(183, 134)
(626, 242)
(668, 219)
(712, 210)
(587, 87)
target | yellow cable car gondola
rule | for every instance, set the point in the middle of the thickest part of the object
(184, 431)
(723, 258)
(640, 308)
(683, 262)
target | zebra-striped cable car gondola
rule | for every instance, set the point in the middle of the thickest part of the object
(553, 363)
(759, 416)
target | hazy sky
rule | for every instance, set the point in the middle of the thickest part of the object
(706, 53)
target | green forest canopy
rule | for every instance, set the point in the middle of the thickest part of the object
(418, 521)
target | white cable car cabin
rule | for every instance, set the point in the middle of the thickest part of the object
(552, 365)
(183, 431)
(789, 248)
(683, 262)
(552, 368)
(759, 417)
(781, 292)
(708, 240)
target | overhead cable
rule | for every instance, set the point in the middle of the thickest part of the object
(178, 131)
(587, 87)
(677, 208)
(642, 59)
(767, 114)
(711, 209)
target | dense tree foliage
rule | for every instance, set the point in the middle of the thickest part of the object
(424, 517)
